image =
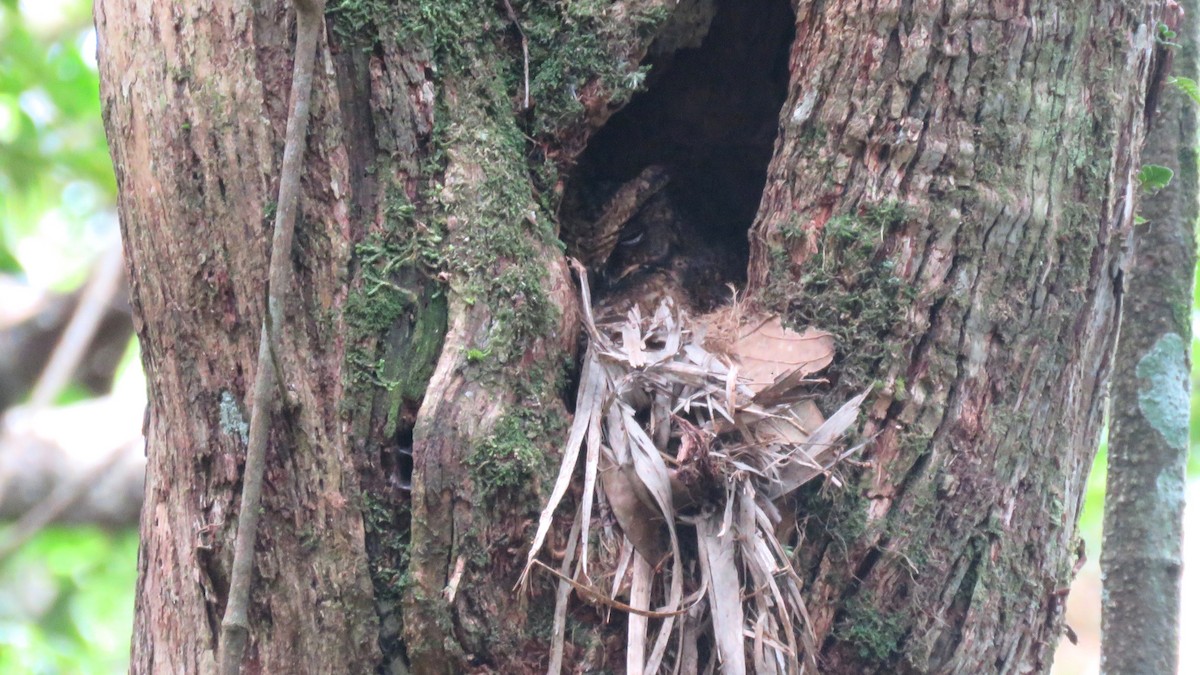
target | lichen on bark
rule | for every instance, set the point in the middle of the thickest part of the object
(1163, 389)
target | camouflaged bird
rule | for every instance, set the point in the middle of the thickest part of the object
(595, 233)
(695, 280)
(645, 249)
(649, 238)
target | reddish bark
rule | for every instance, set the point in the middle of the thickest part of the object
(948, 194)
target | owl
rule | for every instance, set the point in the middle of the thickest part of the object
(645, 287)
(600, 223)
(647, 240)
(642, 247)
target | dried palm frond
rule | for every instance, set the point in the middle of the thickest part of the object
(681, 429)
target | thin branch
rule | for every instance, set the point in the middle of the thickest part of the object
(1142, 556)
(78, 334)
(235, 625)
(56, 503)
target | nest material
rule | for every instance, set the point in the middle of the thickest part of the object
(703, 422)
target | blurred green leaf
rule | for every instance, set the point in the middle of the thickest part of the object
(66, 602)
(1154, 177)
(1188, 86)
(51, 138)
(8, 262)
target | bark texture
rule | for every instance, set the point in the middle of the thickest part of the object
(948, 192)
(989, 154)
(1142, 559)
(197, 96)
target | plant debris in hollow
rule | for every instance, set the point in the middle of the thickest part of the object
(693, 427)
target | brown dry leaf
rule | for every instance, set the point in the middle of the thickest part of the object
(792, 427)
(768, 352)
(642, 524)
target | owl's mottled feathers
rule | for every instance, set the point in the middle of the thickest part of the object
(594, 239)
(643, 247)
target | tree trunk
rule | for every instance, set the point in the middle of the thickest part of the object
(1142, 561)
(945, 188)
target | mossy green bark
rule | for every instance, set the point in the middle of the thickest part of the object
(481, 230)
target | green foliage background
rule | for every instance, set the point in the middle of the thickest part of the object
(66, 602)
(66, 599)
(57, 187)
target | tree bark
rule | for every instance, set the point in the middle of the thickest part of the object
(1142, 558)
(947, 192)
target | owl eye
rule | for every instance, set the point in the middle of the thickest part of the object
(630, 241)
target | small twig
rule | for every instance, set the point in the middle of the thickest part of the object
(235, 625)
(512, 16)
(600, 598)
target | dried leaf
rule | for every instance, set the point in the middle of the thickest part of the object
(641, 523)
(590, 469)
(800, 469)
(638, 627)
(631, 339)
(560, 604)
(623, 561)
(590, 399)
(724, 593)
(793, 426)
(768, 351)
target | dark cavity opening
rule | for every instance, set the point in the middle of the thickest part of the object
(669, 187)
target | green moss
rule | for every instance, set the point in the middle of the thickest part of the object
(885, 216)
(793, 235)
(451, 28)
(849, 288)
(512, 461)
(388, 536)
(309, 539)
(388, 539)
(360, 21)
(813, 135)
(495, 254)
(571, 46)
(1181, 309)
(396, 317)
(838, 514)
(410, 356)
(388, 557)
(873, 633)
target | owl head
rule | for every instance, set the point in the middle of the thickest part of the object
(648, 240)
